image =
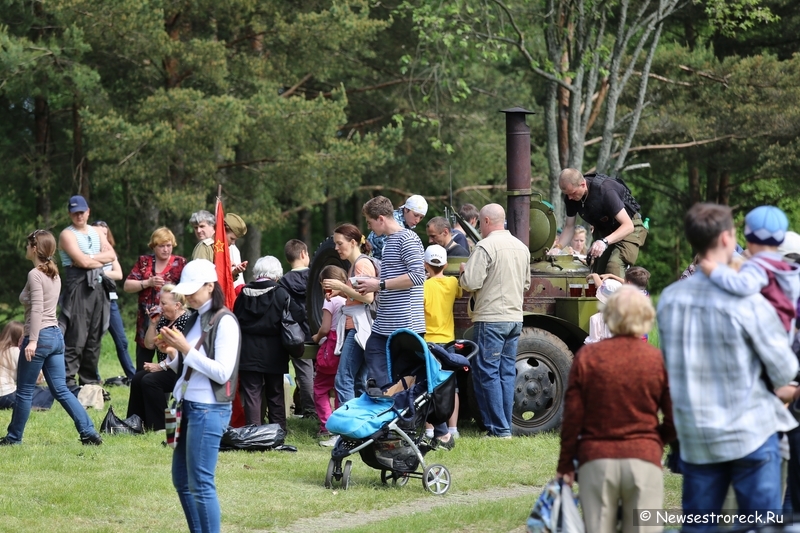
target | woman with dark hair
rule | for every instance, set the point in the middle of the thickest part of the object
(43, 344)
(113, 271)
(149, 386)
(207, 359)
(150, 273)
(354, 331)
(259, 309)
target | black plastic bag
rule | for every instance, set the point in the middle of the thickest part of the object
(253, 438)
(113, 424)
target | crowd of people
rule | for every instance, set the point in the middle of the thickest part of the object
(718, 385)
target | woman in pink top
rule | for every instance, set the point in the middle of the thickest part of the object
(42, 347)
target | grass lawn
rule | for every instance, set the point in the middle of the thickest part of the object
(52, 483)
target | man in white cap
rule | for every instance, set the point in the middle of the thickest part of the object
(407, 215)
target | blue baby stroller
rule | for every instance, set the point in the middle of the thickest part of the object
(388, 428)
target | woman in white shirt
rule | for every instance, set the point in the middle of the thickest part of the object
(206, 359)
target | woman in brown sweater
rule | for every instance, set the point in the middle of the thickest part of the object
(611, 418)
(42, 347)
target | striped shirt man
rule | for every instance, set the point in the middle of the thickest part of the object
(402, 254)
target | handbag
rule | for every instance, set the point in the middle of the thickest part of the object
(112, 424)
(556, 511)
(293, 337)
(172, 414)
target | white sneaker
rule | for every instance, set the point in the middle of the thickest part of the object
(330, 443)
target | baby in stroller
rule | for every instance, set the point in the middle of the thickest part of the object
(387, 429)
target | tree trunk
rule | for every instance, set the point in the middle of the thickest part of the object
(724, 187)
(79, 163)
(41, 125)
(712, 185)
(304, 227)
(553, 156)
(330, 216)
(251, 251)
(694, 185)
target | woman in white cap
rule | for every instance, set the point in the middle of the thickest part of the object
(407, 215)
(207, 360)
(598, 330)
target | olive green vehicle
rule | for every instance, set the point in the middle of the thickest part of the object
(555, 324)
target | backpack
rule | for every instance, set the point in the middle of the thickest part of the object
(631, 205)
(376, 264)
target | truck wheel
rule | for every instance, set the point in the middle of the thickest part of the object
(543, 363)
(324, 256)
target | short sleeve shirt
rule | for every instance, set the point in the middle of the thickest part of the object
(600, 207)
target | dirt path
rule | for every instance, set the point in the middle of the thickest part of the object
(337, 520)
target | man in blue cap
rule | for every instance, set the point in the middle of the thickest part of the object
(85, 306)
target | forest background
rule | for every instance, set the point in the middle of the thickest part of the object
(302, 110)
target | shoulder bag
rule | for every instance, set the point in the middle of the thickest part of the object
(172, 414)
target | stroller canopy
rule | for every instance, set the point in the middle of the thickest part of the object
(406, 351)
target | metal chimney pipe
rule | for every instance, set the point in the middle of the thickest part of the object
(518, 176)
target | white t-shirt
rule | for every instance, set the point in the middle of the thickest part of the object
(236, 258)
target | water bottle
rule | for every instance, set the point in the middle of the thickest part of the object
(646, 224)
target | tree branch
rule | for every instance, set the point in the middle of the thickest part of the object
(289, 92)
(378, 86)
(723, 81)
(399, 192)
(246, 163)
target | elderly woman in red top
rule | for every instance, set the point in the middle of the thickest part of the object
(149, 274)
(611, 426)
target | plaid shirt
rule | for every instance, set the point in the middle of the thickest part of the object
(716, 345)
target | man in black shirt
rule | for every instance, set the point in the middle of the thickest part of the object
(618, 231)
(439, 232)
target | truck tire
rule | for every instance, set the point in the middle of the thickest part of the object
(315, 298)
(543, 363)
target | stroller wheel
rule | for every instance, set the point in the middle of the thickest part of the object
(398, 479)
(329, 474)
(346, 475)
(436, 479)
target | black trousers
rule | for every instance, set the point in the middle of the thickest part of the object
(143, 355)
(83, 335)
(304, 376)
(251, 387)
(149, 396)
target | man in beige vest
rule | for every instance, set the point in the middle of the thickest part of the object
(497, 273)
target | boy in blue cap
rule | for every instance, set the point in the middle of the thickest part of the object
(778, 281)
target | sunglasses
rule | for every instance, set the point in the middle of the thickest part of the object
(35, 233)
(101, 223)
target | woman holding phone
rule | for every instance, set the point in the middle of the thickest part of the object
(150, 385)
(42, 347)
(150, 273)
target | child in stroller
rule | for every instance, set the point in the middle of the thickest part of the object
(388, 428)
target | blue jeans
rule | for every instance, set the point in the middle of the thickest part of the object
(351, 376)
(195, 460)
(49, 358)
(117, 331)
(375, 359)
(756, 480)
(494, 373)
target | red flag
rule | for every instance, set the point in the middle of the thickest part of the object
(222, 258)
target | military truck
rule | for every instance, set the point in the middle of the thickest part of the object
(555, 323)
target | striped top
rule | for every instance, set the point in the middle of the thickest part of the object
(88, 242)
(402, 254)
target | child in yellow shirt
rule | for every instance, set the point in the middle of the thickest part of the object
(440, 293)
